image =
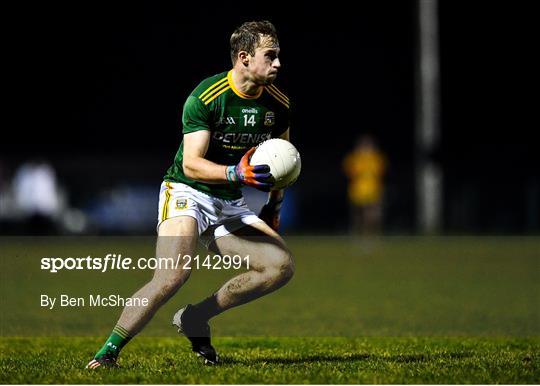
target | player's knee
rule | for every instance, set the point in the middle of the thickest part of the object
(282, 270)
(287, 269)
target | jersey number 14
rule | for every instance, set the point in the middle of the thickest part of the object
(249, 120)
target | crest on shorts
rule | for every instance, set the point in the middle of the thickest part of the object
(269, 118)
(181, 203)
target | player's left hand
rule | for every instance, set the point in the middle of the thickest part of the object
(270, 214)
(256, 176)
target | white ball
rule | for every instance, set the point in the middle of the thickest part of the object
(283, 159)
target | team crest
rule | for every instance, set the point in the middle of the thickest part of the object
(181, 203)
(269, 118)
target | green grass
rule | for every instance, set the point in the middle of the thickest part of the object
(392, 310)
(280, 360)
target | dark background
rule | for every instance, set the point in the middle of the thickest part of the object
(96, 90)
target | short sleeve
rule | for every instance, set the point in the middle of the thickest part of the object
(195, 116)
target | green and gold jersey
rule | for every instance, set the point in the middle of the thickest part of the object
(236, 121)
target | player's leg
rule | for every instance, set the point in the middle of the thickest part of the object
(270, 267)
(270, 264)
(177, 236)
(166, 280)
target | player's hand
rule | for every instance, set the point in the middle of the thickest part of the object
(257, 176)
(270, 214)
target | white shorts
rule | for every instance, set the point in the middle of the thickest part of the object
(215, 217)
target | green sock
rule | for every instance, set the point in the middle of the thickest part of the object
(118, 339)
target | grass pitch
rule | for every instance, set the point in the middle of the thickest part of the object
(280, 360)
(393, 310)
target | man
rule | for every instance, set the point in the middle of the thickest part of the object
(365, 167)
(223, 119)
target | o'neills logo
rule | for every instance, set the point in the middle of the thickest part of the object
(241, 138)
(252, 110)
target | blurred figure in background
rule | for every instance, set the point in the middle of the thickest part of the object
(37, 197)
(365, 167)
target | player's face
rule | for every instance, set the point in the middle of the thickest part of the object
(265, 64)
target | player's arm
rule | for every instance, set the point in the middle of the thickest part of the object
(195, 165)
(200, 169)
(270, 212)
(196, 118)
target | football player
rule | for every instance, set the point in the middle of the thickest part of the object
(223, 119)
